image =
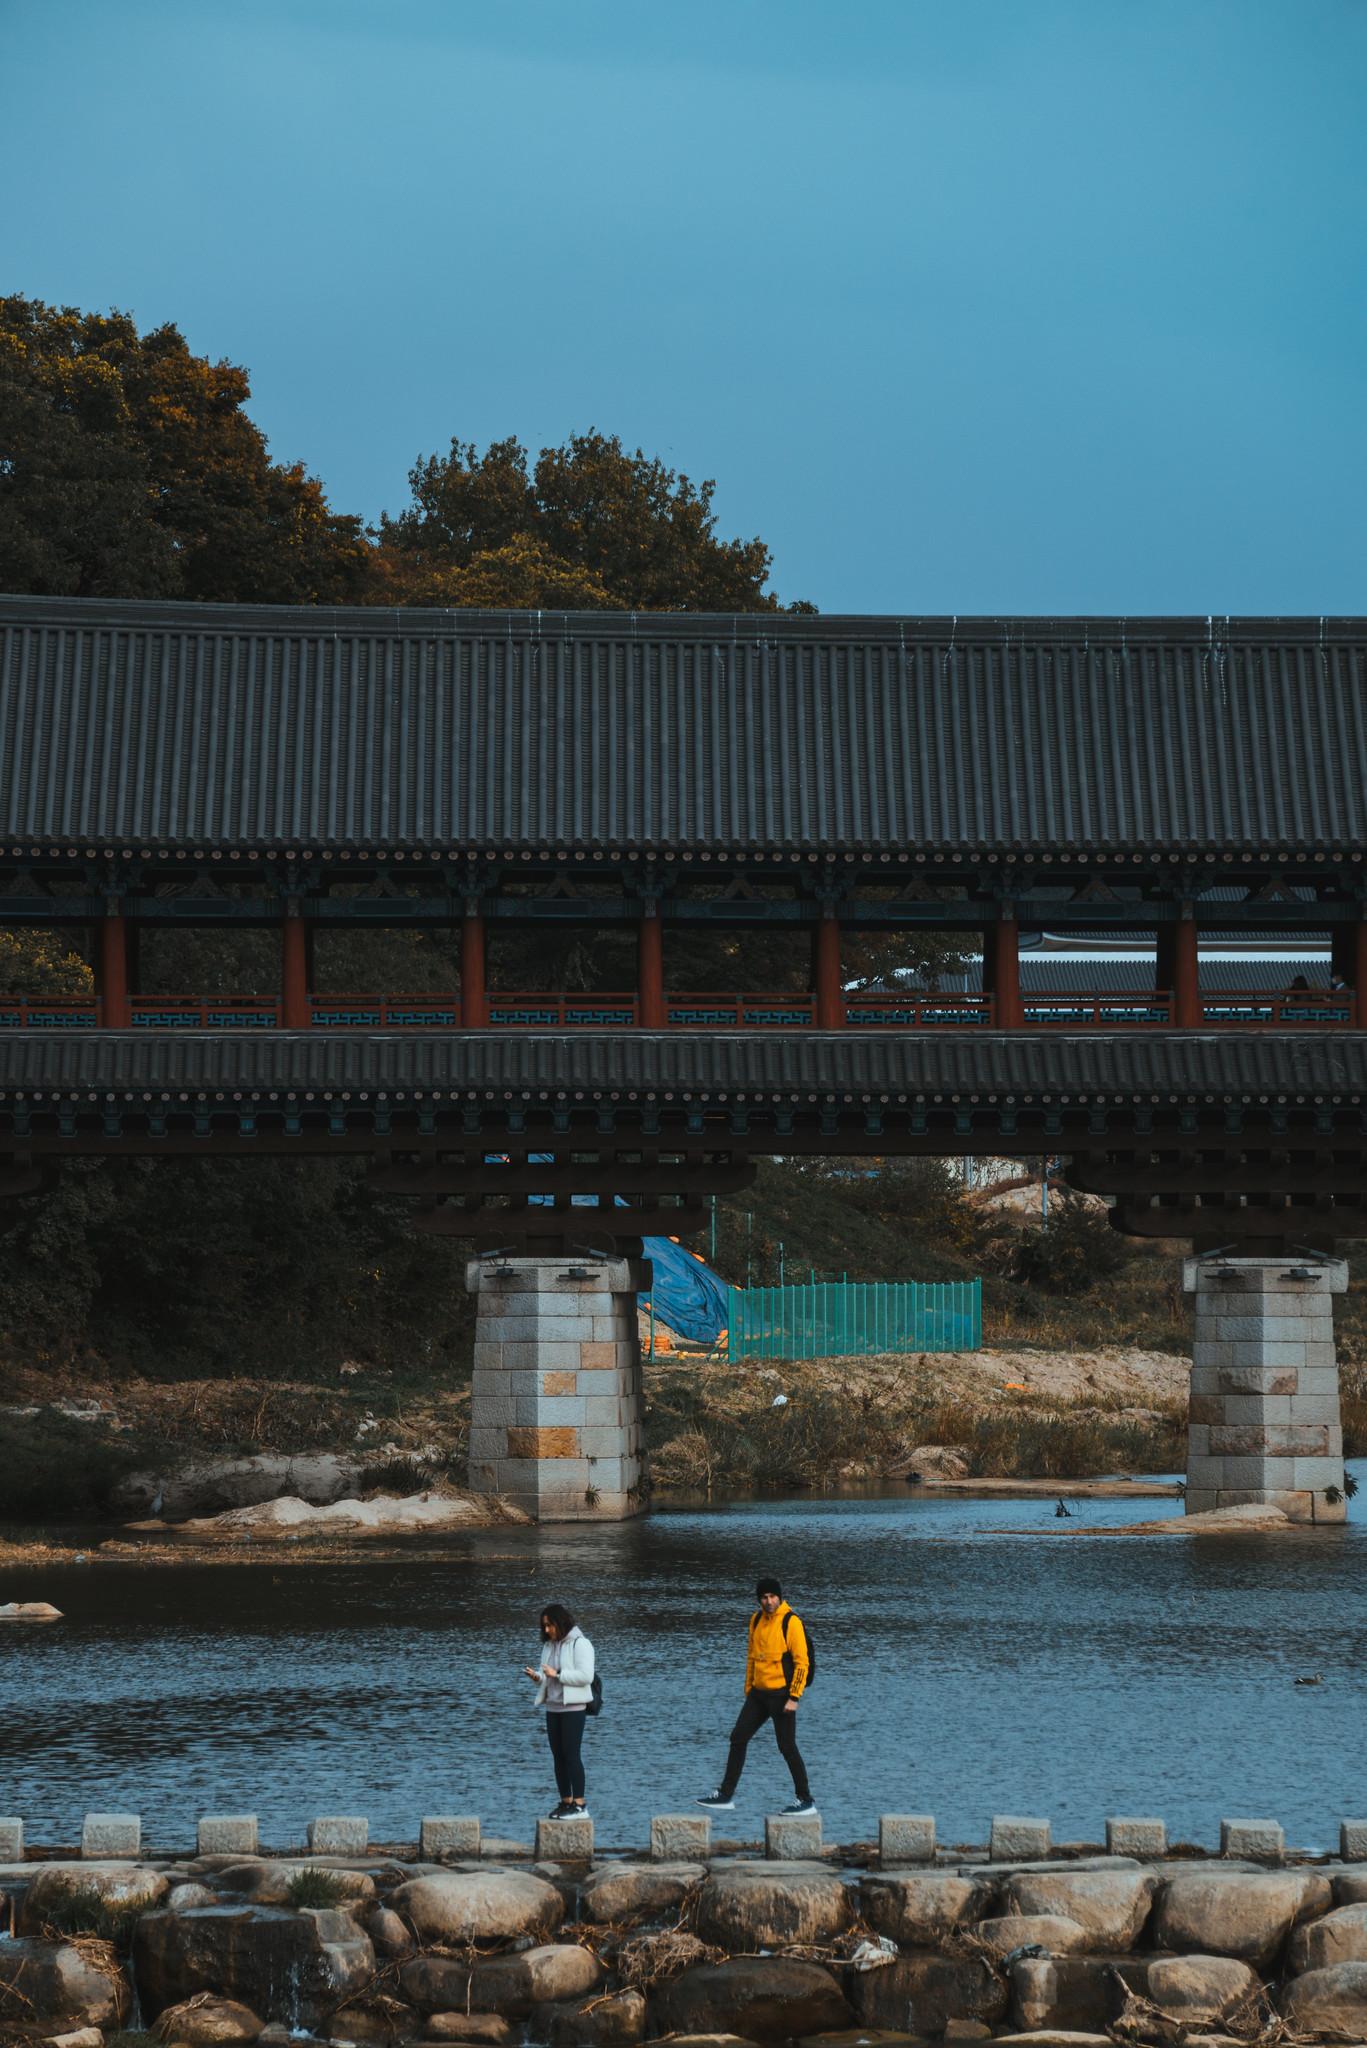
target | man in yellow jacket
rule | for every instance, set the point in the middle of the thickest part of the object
(776, 1668)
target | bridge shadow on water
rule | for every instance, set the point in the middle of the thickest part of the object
(975, 1656)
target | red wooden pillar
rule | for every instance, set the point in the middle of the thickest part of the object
(116, 1012)
(295, 1011)
(1179, 970)
(1002, 969)
(1349, 959)
(651, 1013)
(474, 995)
(828, 982)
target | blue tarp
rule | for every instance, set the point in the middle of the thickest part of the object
(690, 1298)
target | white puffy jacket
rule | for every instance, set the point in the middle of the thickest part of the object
(576, 1670)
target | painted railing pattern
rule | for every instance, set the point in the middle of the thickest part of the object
(1296, 1010)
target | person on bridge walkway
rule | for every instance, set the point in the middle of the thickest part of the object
(777, 1667)
(564, 1686)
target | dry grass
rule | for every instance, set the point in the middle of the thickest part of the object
(715, 1428)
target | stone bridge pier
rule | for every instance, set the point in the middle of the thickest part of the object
(1264, 1421)
(556, 1401)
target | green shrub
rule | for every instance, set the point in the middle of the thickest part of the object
(1075, 1251)
(84, 1911)
(315, 1888)
(398, 1475)
(54, 1469)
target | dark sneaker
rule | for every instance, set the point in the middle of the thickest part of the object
(717, 1803)
(802, 1806)
(562, 1811)
(576, 1812)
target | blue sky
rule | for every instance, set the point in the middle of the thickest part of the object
(968, 305)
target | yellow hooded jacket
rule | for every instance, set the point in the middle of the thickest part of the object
(764, 1664)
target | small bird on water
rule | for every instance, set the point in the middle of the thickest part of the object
(1318, 1679)
(1062, 1512)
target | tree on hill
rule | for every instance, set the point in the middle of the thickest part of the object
(129, 468)
(589, 527)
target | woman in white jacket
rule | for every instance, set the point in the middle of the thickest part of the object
(564, 1686)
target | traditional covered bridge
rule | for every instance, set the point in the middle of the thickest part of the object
(315, 771)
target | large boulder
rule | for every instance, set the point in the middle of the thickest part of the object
(389, 1934)
(89, 1898)
(1340, 1937)
(1242, 1913)
(615, 1892)
(615, 2022)
(209, 2023)
(866, 2037)
(1079, 1993)
(184, 1898)
(749, 1906)
(924, 1993)
(763, 1998)
(508, 1985)
(1053, 2037)
(53, 1981)
(1112, 1905)
(291, 1967)
(704, 2041)
(481, 2029)
(1199, 1990)
(1049, 1931)
(212, 1484)
(511, 1985)
(435, 1983)
(454, 1906)
(1328, 2004)
(263, 1881)
(919, 1908)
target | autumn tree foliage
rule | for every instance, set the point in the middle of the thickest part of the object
(587, 527)
(129, 468)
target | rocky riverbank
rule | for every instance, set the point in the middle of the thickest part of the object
(77, 1449)
(839, 1949)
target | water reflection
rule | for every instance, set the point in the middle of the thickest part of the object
(975, 1656)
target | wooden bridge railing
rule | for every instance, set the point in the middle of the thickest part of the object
(1294, 1010)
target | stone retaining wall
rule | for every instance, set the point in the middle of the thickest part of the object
(463, 1939)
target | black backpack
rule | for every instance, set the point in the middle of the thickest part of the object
(787, 1654)
(595, 1705)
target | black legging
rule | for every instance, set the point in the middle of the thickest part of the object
(565, 1733)
(761, 1706)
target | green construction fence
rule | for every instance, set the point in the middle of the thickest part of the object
(851, 1318)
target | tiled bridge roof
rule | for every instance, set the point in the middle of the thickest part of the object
(502, 1067)
(127, 726)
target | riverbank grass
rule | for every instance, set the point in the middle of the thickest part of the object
(821, 1422)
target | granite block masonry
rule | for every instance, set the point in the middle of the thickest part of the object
(1263, 1423)
(556, 1399)
(906, 1838)
(339, 1834)
(228, 1834)
(450, 1835)
(680, 1838)
(789, 1837)
(110, 1835)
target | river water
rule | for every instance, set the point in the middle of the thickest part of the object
(974, 1657)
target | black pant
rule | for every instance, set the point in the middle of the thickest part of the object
(761, 1706)
(565, 1733)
